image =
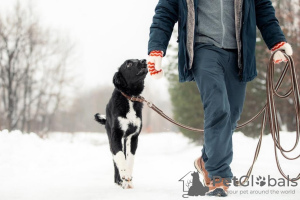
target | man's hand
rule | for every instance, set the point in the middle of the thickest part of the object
(279, 57)
(154, 64)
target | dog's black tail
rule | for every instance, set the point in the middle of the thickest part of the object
(100, 118)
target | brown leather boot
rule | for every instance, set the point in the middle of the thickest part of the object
(219, 189)
(199, 165)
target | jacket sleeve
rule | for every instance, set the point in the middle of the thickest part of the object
(164, 19)
(267, 23)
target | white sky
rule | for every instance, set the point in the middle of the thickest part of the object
(106, 33)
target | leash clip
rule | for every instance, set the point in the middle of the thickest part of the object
(131, 99)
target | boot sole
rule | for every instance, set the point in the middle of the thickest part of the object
(218, 192)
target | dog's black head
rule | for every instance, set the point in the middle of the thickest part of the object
(130, 77)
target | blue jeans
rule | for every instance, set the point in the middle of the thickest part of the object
(215, 71)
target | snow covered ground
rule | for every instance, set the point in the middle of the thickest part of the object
(79, 167)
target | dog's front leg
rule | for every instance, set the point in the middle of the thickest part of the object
(120, 161)
(131, 146)
(130, 161)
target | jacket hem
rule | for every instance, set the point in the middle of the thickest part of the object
(249, 78)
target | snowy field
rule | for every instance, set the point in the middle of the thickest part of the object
(79, 167)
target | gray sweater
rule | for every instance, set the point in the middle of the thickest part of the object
(216, 23)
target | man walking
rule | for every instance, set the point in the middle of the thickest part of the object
(216, 50)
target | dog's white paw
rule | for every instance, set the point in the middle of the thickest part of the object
(126, 184)
(126, 180)
(127, 177)
(130, 185)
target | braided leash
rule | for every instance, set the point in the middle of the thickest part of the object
(268, 110)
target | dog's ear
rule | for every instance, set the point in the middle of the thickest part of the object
(119, 81)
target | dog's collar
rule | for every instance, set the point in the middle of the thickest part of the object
(133, 98)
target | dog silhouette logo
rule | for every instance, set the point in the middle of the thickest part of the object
(192, 185)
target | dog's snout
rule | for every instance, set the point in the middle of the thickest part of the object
(143, 61)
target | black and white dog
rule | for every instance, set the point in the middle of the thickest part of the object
(123, 119)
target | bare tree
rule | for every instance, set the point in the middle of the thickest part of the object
(33, 76)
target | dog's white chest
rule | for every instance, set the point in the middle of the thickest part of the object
(131, 118)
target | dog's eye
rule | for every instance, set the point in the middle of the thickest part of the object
(129, 64)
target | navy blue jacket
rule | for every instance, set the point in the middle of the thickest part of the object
(258, 13)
